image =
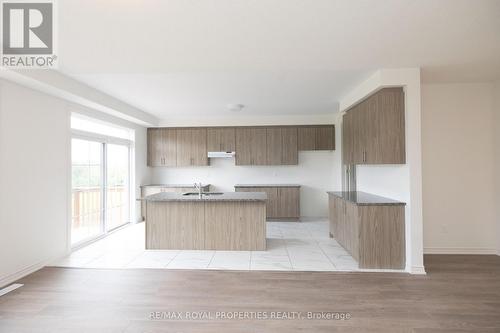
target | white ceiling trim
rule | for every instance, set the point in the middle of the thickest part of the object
(59, 85)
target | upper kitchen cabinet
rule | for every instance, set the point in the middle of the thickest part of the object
(289, 154)
(221, 139)
(266, 146)
(274, 149)
(192, 147)
(318, 137)
(162, 147)
(251, 146)
(374, 130)
(282, 146)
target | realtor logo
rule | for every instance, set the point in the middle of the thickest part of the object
(28, 34)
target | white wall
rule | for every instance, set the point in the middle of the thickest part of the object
(402, 182)
(458, 168)
(35, 165)
(496, 132)
(317, 172)
(34, 157)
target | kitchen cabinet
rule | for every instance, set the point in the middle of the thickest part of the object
(251, 148)
(221, 139)
(374, 130)
(372, 232)
(283, 201)
(288, 202)
(347, 138)
(325, 138)
(259, 145)
(274, 149)
(281, 146)
(155, 153)
(162, 147)
(192, 147)
(307, 138)
(290, 154)
(319, 137)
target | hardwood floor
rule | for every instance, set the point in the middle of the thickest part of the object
(459, 294)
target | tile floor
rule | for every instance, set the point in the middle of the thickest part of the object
(291, 246)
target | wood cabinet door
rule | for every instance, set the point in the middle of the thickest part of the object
(307, 138)
(370, 149)
(360, 128)
(221, 139)
(184, 147)
(347, 138)
(378, 129)
(272, 202)
(155, 147)
(339, 217)
(288, 202)
(352, 229)
(325, 138)
(388, 128)
(243, 146)
(274, 149)
(192, 147)
(290, 155)
(169, 146)
(259, 146)
(199, 147)
(251, 147)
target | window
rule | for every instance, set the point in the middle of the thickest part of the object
(86, 194)
(101, 178)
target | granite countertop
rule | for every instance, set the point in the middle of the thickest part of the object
(267, 185)
(365, 199)
(226, 196)
(172, 185)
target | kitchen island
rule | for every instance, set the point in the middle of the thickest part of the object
(230, 221)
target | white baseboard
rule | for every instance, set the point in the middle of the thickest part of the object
(459, 250)
(8, 279)
(418, 270)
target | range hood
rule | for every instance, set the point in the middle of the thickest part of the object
(221, 154)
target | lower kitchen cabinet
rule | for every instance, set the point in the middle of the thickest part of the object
(369, 227)
(283, 202)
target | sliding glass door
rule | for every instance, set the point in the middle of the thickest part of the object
(117, 186)
(100, 188)
(86, 195)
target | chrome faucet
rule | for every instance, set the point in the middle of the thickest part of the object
(199, 186)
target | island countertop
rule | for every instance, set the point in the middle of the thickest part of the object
(365, 199)
(173, 185)
(226, 196)
(267, 185)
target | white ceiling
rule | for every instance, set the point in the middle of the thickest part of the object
(190, 58)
